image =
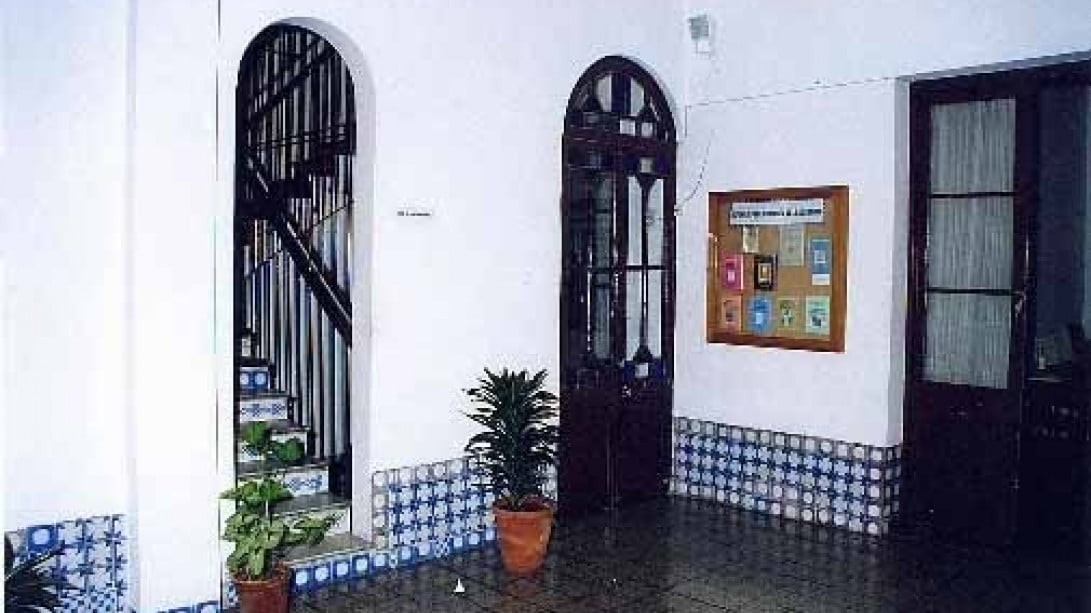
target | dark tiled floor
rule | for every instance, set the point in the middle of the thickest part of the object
(681, 555)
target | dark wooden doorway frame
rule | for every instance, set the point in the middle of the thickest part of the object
(920, 471)
(623, 452)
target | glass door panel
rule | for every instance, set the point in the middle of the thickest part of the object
(969, 244)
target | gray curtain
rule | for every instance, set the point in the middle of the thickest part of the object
(970, 243)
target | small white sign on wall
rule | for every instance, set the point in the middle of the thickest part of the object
(777, 212)
(415, 211)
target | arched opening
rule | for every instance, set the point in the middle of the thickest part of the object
(293, 266)
(617, 289)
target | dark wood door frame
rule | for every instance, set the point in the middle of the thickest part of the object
(615, 426)
(921, 472)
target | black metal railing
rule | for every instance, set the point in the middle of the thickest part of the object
(295, 148)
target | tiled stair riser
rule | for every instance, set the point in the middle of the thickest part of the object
(242, 455)
(255, 379)
(272, 407)
(301, 481)
(837, 483)
(343, 516)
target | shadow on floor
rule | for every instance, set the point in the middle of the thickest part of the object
(684, 555)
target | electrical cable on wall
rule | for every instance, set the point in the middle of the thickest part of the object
(700, 173)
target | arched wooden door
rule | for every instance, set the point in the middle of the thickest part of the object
(617, 289)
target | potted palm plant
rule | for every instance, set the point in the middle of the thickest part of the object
(517, 445)
(260, 539)
(30, 586)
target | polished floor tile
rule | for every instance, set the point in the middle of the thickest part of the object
(681, 555)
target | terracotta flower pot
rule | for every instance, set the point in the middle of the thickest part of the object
(523, 537)
(270, 596)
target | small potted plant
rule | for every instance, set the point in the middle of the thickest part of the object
(29, 586)
(517, 445)
(261, 580)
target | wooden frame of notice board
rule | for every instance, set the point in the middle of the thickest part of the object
(777, 263)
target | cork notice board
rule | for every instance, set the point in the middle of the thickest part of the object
(777, 267)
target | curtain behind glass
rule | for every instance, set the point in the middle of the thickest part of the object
(970, 243)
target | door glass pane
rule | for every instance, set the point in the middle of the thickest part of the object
(970, 243)
(656, 227)
(967, 339)
(604, 91)
(602, 215)
(655, 312)
(973, 146)
(632, 313)
(636, 225)
(633, 303)
(652, 219)
(599, 315)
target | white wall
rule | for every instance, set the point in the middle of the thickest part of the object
(468, 106)
(838, 136)
(174, 172)
(805, 93)
(62, 171)
(469, 103)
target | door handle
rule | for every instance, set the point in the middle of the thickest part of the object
(1020, 301)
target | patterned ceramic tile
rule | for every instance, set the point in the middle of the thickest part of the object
(254, 379)
(264, 408)
(420, 513)
(303, 480)
(824, 481)
(91, 557)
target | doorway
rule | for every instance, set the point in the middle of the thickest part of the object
(293, 251)
(617, 289)
(998, 236)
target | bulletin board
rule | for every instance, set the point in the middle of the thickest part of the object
(777, 267)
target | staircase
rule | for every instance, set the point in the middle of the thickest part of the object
(260, 400)
(295, 145)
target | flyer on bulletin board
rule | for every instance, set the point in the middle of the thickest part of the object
(818, 315)
(765, 272)
(731, 272)
(788, 315)
(760, 315)
(731, 313)
(791, 245)
(751, 242)
(820, 261)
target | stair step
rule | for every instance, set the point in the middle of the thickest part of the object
(280, 431)
(305, 479)
(318, 505)
(265, 406)
(333, 545)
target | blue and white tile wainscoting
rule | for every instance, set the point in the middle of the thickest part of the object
(92, 557)
(419, 513)
(829, 482)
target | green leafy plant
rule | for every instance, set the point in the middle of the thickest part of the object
(260, 538)
(29, 586)
(520, 438)
(257, 439)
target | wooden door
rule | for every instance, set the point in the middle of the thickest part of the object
(973, 147)
(617, 290)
